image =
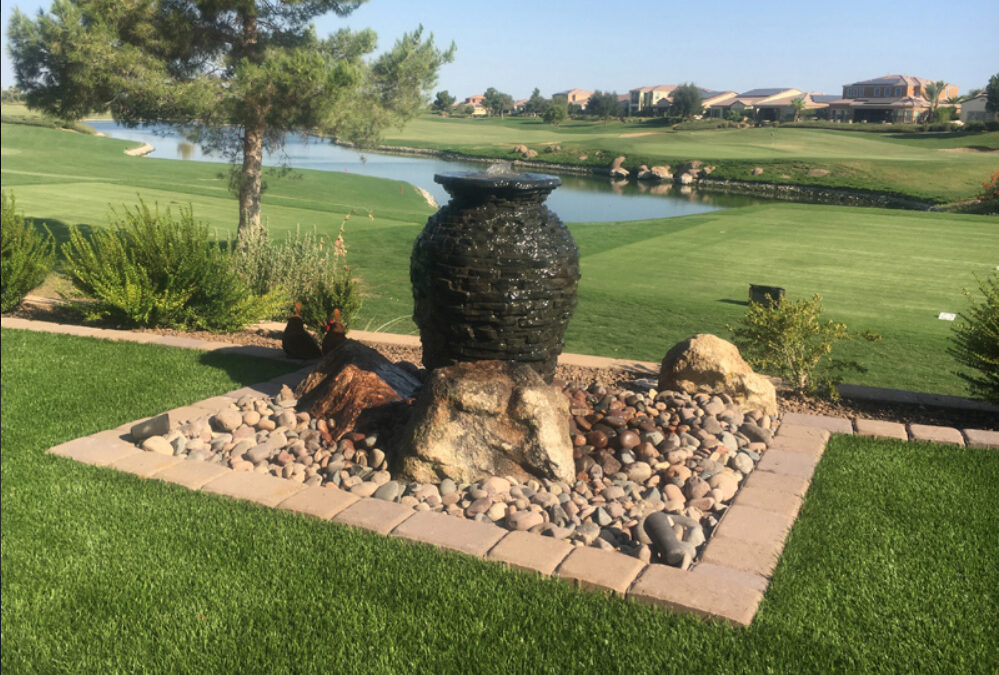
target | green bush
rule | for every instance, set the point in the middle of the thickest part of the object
(976, 340)
(151, 269)
(26, 256)
(308, 268)
(788, 340)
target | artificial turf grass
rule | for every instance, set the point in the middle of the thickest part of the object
(105, 571)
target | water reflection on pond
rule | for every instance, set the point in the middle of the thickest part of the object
(580, 199)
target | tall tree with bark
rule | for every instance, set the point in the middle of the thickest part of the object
(603, 105)
(443, 103)
(537, 104)
(233, 75)
(992, 94)
(685, 101)
(497, 102)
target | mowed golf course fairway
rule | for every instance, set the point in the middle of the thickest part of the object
(936, 167)
(645, 284)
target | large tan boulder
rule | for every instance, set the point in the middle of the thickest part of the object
(662, 172)
(487, 418)
(706, 363)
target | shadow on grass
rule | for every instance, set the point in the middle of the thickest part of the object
(247, 366)
(59, 229)
(730, 301)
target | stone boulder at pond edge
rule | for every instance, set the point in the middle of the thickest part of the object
(487, 418)
(706, 363)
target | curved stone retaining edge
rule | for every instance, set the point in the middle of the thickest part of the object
(813, 194)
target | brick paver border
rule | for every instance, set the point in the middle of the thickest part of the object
(726, 584)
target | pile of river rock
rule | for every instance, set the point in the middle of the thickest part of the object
(655, 470)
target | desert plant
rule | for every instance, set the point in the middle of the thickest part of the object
(26, 256)
(975, 342)
(989, 196)
(788, 339)
(152, 269)
(308, 268)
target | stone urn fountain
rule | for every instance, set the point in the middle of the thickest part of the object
(494, 273)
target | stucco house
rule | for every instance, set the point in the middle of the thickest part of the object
(646, 99)
(891, 98)
(781, 107)
(766, 103)
(708, 96)
(578, 97)
(973, 110)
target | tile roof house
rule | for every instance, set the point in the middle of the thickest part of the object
(764, 103)
(646, 99)
(708, 96)
(973, 110)
(891, 98)
(578, 97)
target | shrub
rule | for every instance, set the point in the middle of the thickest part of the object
(976, 340)
(989, 196)
(26, 256)
(151, 269)
(788, 340)
(309, 268)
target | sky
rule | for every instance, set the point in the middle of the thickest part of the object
(517, 45)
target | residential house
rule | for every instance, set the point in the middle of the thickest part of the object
(714, 103)
(764, 104)
(578, 97)
(781, 108)
(476, 101)
(646, 99)
(973, 110)
(708, 96)
(892, 98)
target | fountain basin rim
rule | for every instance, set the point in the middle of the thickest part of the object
(498, 181)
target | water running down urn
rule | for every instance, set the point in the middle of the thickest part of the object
(494, 272)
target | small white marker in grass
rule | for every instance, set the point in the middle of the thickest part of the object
(947, 316)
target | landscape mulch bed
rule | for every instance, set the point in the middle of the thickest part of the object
(789, 401)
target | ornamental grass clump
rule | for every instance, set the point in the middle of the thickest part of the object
(26, 255)
(309, 268)
(152, 269)
(787, 339)
(975, 342)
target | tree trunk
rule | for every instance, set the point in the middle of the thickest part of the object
(249, 183)
(253, 143)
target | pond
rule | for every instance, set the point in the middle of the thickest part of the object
(579, 199)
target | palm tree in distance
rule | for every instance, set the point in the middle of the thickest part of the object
(932, 93)
(798, 104)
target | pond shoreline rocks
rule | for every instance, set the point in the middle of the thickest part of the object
(654, 470)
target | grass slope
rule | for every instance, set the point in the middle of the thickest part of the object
(645, 284)
(922, 166)
(892, 565)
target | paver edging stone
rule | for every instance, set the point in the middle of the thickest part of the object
(733, 559)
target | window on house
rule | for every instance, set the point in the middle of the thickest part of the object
(898, 91)
(877, 92)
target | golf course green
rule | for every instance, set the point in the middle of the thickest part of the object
(934, 167)
(645, 284)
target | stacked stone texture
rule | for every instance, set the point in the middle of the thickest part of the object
(494, 275)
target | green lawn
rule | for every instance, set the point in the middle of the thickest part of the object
(645, 284)
(923, 166)
(893, 565)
